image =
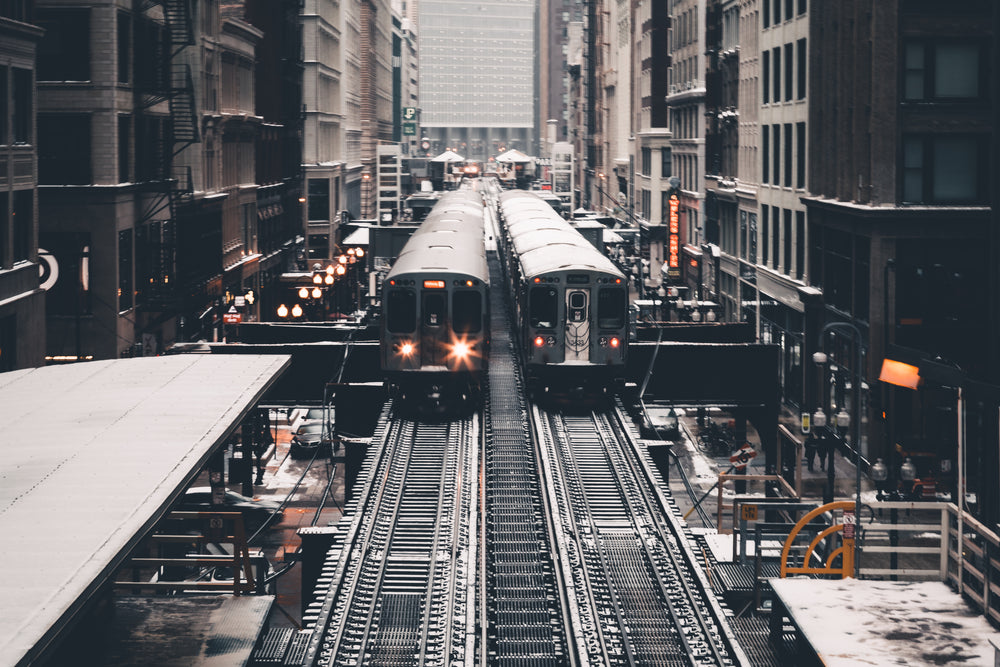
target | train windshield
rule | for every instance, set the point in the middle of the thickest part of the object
(611, 307)
(543, 307)
(467, 312)
(400, 311)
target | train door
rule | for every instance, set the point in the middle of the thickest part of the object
(433, 332)
(577, 325)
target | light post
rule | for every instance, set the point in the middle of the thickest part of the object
(843, 418)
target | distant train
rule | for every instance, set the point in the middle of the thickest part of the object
(435, 324)
(570, 302)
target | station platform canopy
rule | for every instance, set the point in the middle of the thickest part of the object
(91, 456)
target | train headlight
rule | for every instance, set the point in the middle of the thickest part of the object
(614, 341)
(539, 341)
(406, 349)
(461, 349)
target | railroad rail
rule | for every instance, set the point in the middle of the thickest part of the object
(638, 597)
(400, 584)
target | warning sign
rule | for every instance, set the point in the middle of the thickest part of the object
(232, 317)
(741, 458)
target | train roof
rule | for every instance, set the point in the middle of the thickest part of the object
(450, 240)
(544, 242)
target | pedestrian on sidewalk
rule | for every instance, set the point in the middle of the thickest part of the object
(812, 447)
(825, 452)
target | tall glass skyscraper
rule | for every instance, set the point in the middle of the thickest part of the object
(478, 76)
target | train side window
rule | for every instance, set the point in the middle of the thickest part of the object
(401, 311)
(611, 308)
(434, 309)
(543, 307)
(467, 312)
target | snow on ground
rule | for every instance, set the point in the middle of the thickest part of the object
(852, 623)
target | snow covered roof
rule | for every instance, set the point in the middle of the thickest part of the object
(448, 156)
(850, 622)
(92, 454)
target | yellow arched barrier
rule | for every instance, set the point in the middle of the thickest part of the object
(846, 552)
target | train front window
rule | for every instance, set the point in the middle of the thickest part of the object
(611, 307)
(467, 312)
(400, 311)
(434, 309)
(543, 307)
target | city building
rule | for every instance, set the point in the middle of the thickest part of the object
(347, 103)
(22, 297)
(898, 206)
(478, 78)
(279, 148)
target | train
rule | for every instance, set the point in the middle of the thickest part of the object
(570, 303)
(435, 312)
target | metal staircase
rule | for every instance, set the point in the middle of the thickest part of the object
(174, 189)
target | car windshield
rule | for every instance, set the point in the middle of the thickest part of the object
(314, 413)
(310, 429)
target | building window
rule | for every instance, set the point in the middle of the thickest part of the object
(23, 221)
(944, 169)
(4, 106)
(950, 71)
(124, 46)
(666, 168)
(753, 237)
(765, 14)
(64, 148)
(800, 155)
(801, 68)
(776, 56)
(765, 241)
(647, 161)
(248, 228)
(775, 237)
(789, 72)
(319, 199)
(124, 148)
(23, 107)
(743, 242)
(789, 241)
(800, 244)
(765, 79)
(150, 138)
(788, 155)
(124, 270)
(765, 152)
(4, 202)
(64, 51)
(776, 163)
(802, 6)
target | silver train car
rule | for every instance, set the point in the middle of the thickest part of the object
(435, 319)
(570, 302)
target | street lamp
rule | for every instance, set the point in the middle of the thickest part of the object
(843, 418)
(879, 472)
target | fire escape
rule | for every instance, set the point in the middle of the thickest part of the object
(169, 187)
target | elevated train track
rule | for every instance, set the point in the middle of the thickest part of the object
(582, 558)
(398, 586)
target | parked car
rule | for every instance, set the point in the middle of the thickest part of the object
(303, 416)
(255, 511)
(309, 438)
